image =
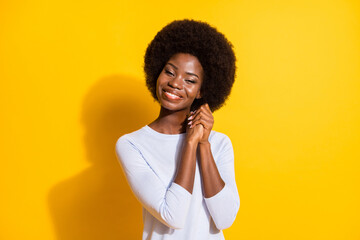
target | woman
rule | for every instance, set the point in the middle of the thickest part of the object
(180, 170)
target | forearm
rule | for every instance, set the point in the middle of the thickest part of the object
(168, 204)
(211, 179)
(186, 170)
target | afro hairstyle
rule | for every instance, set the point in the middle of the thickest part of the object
(213, 50)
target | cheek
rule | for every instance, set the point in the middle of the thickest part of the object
(197, 89)
(158, 82)
(193, 91)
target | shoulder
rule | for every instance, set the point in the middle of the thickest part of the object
(130, 140)
(128, 148)
(219, 138)
(131, 137)
(220, 143)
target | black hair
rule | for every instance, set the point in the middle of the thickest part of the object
(213, 50)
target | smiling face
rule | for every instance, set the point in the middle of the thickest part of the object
(179, 83)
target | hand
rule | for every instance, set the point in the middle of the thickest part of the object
(194, 134)
(201, 121)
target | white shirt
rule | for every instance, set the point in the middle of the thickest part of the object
(149, 160)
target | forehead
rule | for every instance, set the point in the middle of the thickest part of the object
(186, 62)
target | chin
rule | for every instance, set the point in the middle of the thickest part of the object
(174, 107)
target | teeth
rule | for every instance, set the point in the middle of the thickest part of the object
(172, 95)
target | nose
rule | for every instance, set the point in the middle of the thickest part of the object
(176, 82)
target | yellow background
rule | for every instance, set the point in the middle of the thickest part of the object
(71, 83)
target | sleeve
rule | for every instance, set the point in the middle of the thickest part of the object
(168, 204)
(224, 206)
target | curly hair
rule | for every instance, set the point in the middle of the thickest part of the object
(203, 41)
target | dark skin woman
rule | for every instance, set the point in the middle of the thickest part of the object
(180, 170)
(177, 87)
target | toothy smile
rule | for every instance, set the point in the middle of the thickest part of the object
(171, 95)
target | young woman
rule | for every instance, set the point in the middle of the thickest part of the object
(180, 170)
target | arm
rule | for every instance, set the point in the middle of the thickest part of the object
(211, 179)
(168, 204)
(186, 170)
(224, 205)
(218, 177)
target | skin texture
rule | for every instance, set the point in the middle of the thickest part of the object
(178, 85)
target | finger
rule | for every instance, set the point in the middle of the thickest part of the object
(192, 126)
(197, 116)
(204, 116)
(203, 111)
(191, 115)
(206, 124)
(208, 107)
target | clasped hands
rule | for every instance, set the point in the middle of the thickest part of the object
(199, 125)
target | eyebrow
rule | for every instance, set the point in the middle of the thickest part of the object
(189, 73)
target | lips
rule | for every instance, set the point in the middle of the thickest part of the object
(171, 95)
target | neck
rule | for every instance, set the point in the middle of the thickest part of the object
(170, 122)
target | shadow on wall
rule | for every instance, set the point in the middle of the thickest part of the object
(97, 203)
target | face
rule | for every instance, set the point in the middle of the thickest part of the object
(179, 83)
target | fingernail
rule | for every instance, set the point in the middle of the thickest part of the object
(189, 118)
(189, 123)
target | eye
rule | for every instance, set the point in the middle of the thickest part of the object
(168, 72)
(190, 81)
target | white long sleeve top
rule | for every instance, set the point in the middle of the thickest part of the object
(149, 160)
